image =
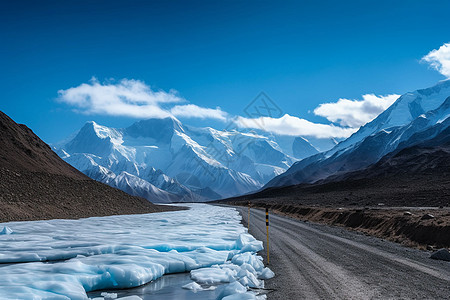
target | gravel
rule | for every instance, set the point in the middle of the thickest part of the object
(314, 261)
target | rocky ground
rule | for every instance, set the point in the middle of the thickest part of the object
(36, 196)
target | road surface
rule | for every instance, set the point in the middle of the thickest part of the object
(321, 262)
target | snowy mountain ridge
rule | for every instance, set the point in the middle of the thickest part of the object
(404, 110)
(166, 161)
(415, 117)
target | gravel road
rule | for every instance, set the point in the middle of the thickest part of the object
(314, 261)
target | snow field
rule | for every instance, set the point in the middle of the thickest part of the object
(64, 259)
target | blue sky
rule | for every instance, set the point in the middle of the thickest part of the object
(214, 54)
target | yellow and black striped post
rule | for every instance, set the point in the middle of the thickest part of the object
(267, 228)
(248, 219)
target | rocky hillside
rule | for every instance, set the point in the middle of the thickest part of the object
(36, 184)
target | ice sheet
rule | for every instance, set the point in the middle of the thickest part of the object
(67, 258)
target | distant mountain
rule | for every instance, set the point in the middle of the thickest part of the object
(37, 184)
(417, 175)
(166, 161)
(421, 158)
(418, 156)
(414, 118)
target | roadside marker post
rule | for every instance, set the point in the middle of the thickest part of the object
(267, 229)
(248, 219)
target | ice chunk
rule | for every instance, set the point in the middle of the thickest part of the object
(108, 296)
(266, 274)
(249, 279)
(122, 298)
(213, 275)
(6, 230)
(241, 296)
(239, 269)
(231, 289)
(249, 258)
(248, 267)
(193, 286)
(247, 243)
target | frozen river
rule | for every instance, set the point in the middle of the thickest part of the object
(66, 259)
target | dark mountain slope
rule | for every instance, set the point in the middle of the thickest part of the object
(36, 184)
(426, 158)
(418, 175)
(22, 150)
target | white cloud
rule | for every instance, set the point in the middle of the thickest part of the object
(289, 125)
(439, 59)
(134, 98)
(131, 98)
(355, 113)
(349, 114)
(194, 111)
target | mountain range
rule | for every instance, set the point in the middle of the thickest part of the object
(389, 163)
(166, 161)
(414, 176)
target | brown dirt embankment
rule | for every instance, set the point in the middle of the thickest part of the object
(401, 225)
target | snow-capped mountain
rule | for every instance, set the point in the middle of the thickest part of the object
(166, 161)
(415, 117)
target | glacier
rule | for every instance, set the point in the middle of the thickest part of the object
(166, 161)
(65, 259)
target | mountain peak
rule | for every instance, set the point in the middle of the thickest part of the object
(158, 129)
(94, 138)
(103, 132)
